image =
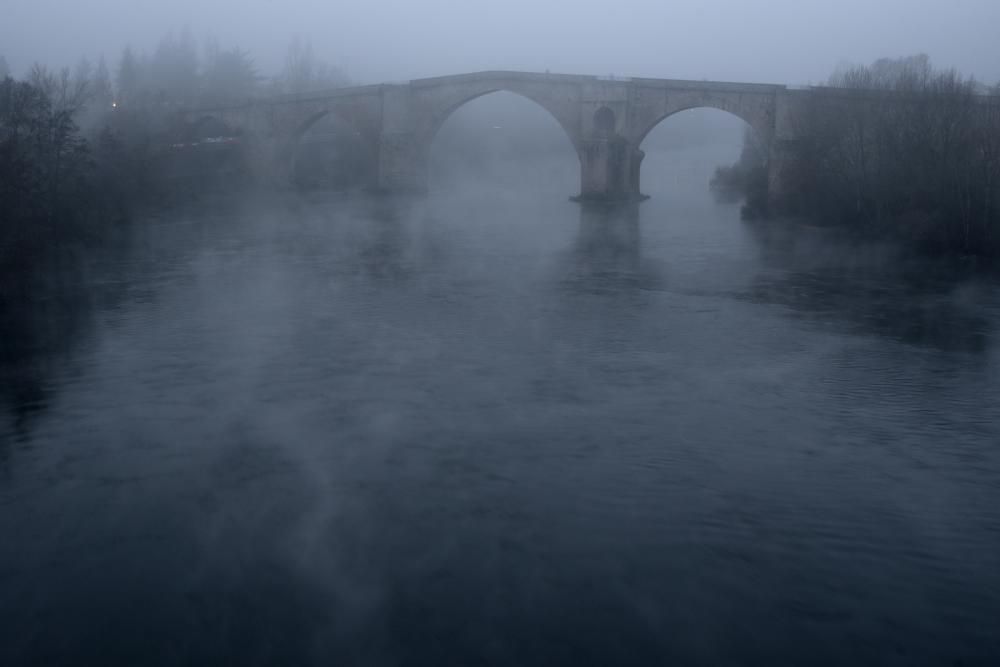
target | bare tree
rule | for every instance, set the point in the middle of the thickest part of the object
(899, 148)
(101, 88)
(130, 78)
(304, 72)
(172, 74)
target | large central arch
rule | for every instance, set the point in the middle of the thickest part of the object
(501, 140)
(435, 102)
(434, 123)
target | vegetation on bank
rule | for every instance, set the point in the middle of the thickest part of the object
(81, 148)
(81, 151)
(56, 190)
(917, 161)
(746, 179)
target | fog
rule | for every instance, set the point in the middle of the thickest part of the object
(263, 402)
(780, 41)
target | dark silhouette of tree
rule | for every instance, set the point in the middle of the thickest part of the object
(747, 179)
(83, 72)
(304, 72)
(55, 209)
(172, 75)
(229, 75)
(910, 152)
(102, 91)
(129, 78)
(44, 169)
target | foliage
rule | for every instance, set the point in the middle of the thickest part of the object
(175, 76)
(902, 150)
(747, 179)
(304, 72)
(173, 70)
(229, 75)
(82, 150)
(49, 181)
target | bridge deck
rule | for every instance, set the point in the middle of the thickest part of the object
(541, 77)
(546, 77)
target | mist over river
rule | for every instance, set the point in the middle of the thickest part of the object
(494, 426)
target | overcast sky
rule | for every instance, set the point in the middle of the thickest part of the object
(781, 41)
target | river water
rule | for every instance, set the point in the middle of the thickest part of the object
(497, 427)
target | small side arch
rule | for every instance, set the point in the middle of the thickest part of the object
(706, 131)
(761, 124)
(756, 109)
(355, 139)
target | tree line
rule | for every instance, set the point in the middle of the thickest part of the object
(81, 148)
(912, 153)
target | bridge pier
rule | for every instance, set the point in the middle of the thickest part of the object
(402, 163)
(609, 170)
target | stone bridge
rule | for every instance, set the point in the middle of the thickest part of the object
(606, 120)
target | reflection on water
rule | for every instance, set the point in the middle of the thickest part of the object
(608, 246)
(501, 428)
(875, 290)
(382, 254)
(42, 320)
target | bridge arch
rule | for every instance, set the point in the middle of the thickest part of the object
(687, 148)
(761, 122)
(435, 104)
(501, 126)
(756, 106)
(333, 130)
(365, 125)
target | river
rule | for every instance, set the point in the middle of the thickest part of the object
(495, 427)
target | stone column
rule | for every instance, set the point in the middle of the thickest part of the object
(609, 169)
(402, 163)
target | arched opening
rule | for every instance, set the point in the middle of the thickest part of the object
(502, 140)
(704, 154)
(331, 154)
